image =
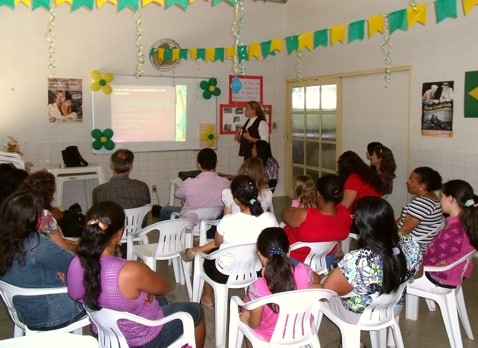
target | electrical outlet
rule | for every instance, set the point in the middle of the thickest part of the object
(154, 188)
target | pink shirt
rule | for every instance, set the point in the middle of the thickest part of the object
(203, 191)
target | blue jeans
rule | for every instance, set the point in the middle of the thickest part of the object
(165, 213)
(172, 330)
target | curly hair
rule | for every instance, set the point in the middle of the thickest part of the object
(349, 162)
(43, 184)
(387, 163)
(305, 191)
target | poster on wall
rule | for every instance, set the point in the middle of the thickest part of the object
(232, 118)
(250, 88)
(437, 109)
(471, 94)
(65, 100)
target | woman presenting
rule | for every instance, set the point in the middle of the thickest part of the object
(255, 129)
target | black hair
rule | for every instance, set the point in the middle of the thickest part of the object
(387, 163)
(207, 158)
(349, 162)
(263, 149)
(371, 146)
(273, 244)
(430, 177)
(19, 215)
(10, 181)
(379, 233)
(245, 191)
(330, 188)
(466, 200)
(104, 220)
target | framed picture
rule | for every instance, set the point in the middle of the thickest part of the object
(251, 89)
(232, 119)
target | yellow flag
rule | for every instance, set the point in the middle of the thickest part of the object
(255, 51)
(210, 52)
(26, 2)
(337, 33)
(193, 52)
(468, 5)
(147, 2)
(230, 52)
(176, 53)
(375, 24)
(417, 14)
(160, 54)
(276, 45)
(306, 40)
(100, 3)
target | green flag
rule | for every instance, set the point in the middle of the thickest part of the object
(471, 94)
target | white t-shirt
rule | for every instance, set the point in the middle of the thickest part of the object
(265, 197)
(242, 228)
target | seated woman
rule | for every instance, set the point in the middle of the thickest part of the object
(43, 184)
(99, 279)
(279, 274)
(305, 193)
(457, 238)
(384, 163)
(262, 150)
(384, 260)
(239, 228)
(328, 222)
(422, 216)
(254, 168)
(30, 259)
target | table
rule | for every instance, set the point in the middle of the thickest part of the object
(62, 175)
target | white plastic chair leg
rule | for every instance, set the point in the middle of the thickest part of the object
(450, 319)
(350, 337)
(176, 269)
(431, 305)
(411, 307)
(185, 266)
(18, 331)
(460, 302)
(220, 313)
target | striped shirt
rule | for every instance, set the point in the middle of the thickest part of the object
(430, 215)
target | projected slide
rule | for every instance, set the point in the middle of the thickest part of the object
(149, 113)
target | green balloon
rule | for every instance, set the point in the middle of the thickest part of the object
(96, 133)
(216, 92)
(108, 132)
(109, 145)
(212, 82)
(97, 145)
(204, 85)
(206, 94)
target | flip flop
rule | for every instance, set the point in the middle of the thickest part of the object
(187, 255)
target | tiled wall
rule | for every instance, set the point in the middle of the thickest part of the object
(450, 164)
(154, 168)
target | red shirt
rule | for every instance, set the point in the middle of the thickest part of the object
(318, 227)
(354, 183)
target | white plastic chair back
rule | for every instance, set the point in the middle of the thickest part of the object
(296, 325)
(376, 318)
(317, 253)
(171, 240)
(451, 301)
(433, 233)
(198, 215)
(8, 292)
(133, 222)
(243, 272)
(110, 335)
(13, 158)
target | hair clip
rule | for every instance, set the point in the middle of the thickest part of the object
(277, 251)
(252, 201)
(469, 202)
(100, 224)
(395, 251)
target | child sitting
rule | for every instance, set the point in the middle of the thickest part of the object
(305, 192)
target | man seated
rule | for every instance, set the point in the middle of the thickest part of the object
(203, 191)
(121, 189)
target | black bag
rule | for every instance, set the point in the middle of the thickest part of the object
(73, 222)
(72, 157)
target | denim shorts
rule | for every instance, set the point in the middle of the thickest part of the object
(172, 330)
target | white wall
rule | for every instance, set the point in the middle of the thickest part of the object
(435, 52)
(104, 39)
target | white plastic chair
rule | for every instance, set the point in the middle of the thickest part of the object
(451, 301)
(110, 335)
(294, 327)
(199, 215)
(171, 240)
(8, 292)
(243, 272)
(133, 222)
(13, 158)
(346, 242)
(376, 318)
(317, 253)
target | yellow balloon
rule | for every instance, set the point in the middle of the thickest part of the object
(108, 77)
(95, 86)
(95, 75)
(106, 89)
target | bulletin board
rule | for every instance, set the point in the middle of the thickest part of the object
(232, 118)
(251, 89)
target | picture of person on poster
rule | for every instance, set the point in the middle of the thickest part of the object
(437, 108)
(65, 100)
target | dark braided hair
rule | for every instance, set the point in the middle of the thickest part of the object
(245, 191)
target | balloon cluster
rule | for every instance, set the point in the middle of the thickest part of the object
(102, 139)
(100, 81)
(210, 88)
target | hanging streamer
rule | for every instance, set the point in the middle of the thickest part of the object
(236, 29)
(298, 66)
(50, 37)
(196, 77)
(139, 35)
(387, 50)
(413, 5)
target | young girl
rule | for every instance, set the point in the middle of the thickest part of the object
(279, 274)
(305, 193)
(457, 238)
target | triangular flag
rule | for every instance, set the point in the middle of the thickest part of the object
(132, 4)
(357, 30)
(254, 51)
(230, 52)
(242, 53)
(321, 38)
(219, 54)
(445, 9)
(210, 54)
(468, 5)
(183, 53)
(168, 54)
(147, 2)
(417, 14)
(306, 40)
(276, 45)
(160, 52)
(398, 20)
(193, 53)
(337, 33)
(175, 54)
(57, 2)
(181, 3)
(375, 24)
(201, 53)
(76, 4)
(266, 48)
(9, 3)
(40, 3)
(292, 43)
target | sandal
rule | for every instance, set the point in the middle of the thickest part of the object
(187, 255)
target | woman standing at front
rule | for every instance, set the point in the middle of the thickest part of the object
(255, 129)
